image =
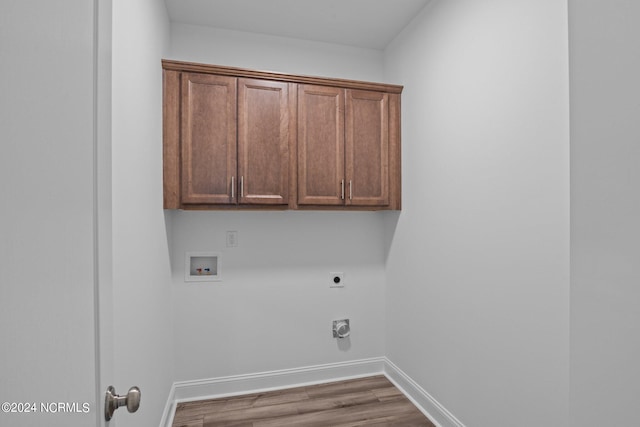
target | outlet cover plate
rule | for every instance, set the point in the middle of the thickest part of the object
(232, 239)
(336, 280)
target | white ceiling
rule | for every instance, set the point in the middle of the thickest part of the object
(362, 23)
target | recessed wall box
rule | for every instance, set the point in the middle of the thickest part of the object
(341, 328)
(202, 267)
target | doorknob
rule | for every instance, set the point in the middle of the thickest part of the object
(112, 401)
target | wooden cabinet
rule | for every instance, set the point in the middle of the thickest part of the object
(320, 145)
(263, 142)
(343, 147)
(208, 130)
(367, 148)
(234, 141)
(237, 138)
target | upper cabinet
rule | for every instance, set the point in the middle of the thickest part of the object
(367, 148)
(321, 153)
(343, 147)
(208, 147)
(234, 141)
(236, 138)
(264, 142)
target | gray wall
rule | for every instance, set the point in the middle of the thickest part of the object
(274, 308)
(46, 221)
(605, 208)
(478, 264)
(143, 347)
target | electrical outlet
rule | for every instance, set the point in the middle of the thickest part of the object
(336, 280)
(232, 239)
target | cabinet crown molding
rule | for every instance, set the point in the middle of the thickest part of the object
(221, 70)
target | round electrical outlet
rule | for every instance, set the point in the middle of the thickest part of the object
(336, 280)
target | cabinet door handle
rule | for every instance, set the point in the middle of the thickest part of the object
(350, 190)
(232, 188)
(342, 189)
(241, 186)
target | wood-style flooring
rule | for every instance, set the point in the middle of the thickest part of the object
(371, 401)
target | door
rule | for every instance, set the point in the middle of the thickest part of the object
(367, 148)
(208, 128)
(263, 142)
(48, 370)
(320, 145)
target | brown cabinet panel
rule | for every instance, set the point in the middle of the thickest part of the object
(263, 142)
(367, 148)
(320, 145)
(171, 138)
(208, 132)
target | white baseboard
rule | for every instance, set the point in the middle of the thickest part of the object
(169, 408)
(423, 400)
(273, 380)
(185, 391)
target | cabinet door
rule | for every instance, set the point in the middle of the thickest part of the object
(367, 148)
(263, 142)
(208, 126)
(320, 145)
